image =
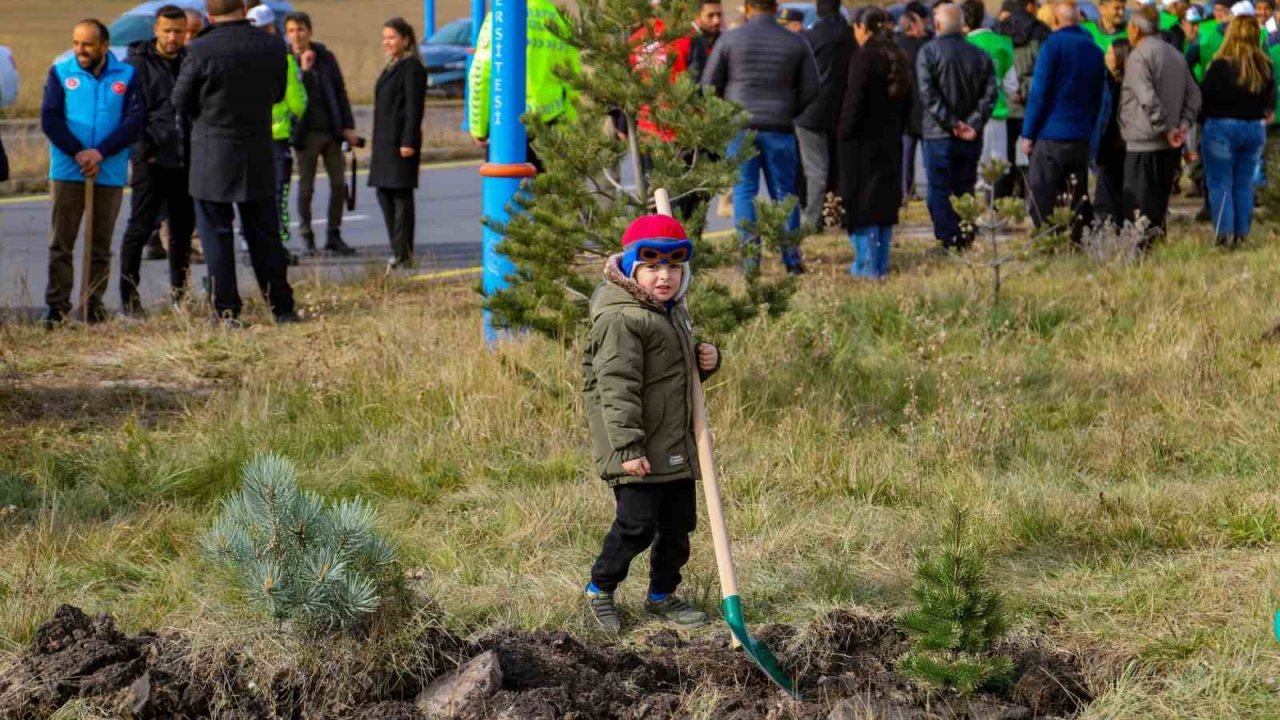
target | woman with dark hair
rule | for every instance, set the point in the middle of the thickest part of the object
(398, 105)
(1109, 153)
(1239, 93)
(877, 100)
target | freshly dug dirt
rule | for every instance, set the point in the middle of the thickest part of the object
(843, 664)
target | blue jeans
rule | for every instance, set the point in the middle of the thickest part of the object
(871, 251)
(777, 156)
(1231, 150)
(952, 167)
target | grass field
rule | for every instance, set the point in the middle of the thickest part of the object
(1114, 431)
(37, 32)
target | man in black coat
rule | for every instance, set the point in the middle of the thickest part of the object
(158, 164)
(232, 74)
(832, 43)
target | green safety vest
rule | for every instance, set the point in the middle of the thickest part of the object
(1101, 37)
(1167, 20)
(546, 95)
(1000, 48)
(1211, 42)
(1274, 53)
(289, 110)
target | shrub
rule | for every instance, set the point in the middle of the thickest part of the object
(958, 616)
(320, 565)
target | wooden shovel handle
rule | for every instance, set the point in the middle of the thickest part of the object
(707, 462)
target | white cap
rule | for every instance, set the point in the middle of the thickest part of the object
(1244, 8)
(262, 16)
(1193, 15)
(1147, 3)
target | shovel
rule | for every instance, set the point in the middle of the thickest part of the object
(731, 603)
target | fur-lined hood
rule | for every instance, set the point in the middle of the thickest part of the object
(613, 276)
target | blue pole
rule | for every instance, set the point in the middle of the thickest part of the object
(477, 19)
(507, 164)
(428, 19)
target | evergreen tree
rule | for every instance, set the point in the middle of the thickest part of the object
(323, 566)
(571, 217)
(958, 615)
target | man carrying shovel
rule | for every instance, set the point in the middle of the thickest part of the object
(637, 369)
(92, 113)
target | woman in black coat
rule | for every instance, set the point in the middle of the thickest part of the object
(877, 103)
(397, 137)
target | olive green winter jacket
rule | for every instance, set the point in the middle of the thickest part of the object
(635, 378)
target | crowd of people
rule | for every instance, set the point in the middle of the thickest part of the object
(1099, 116)
(203, 122)
(861, 102)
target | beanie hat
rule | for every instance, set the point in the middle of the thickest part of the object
(654, 238)
(1244, 8)
(261, 16)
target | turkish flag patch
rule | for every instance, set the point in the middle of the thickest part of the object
(72, 83)
(117, 87)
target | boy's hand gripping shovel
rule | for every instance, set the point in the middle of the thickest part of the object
(731, 603)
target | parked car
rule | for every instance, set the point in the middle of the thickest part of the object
(135, 23)
(445, 55)
(8, 77)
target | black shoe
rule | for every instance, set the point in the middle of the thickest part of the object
(1222, 241)
(290, 259)
(133, 309)
(98, 313)
(308, 244)
(797, 269)
(336, 246)
(287, 318)
(1237, 241)
(1203, 214)
(52, 318)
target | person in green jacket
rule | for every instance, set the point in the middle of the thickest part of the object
(547, 96)
(637, 382)
(284, 115)
(1110, 26)
(995, 134)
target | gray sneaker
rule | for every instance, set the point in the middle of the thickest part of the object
(675, 611)
(602, 610)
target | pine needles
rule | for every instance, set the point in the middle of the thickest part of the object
(958, 615)
(321, 566)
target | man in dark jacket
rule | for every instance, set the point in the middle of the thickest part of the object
(912, 35)
(92, 113)
(832, 43)
(706, 30)
(231, 76)
(1065, 102)
(772, 73)
(1028, 34)
(325, 125)
(158, 163)
(958, 89)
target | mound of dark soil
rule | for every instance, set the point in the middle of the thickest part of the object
(843, 664)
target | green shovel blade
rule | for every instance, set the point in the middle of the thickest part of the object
(756, 650)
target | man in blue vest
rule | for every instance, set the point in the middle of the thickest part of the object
(92, 113)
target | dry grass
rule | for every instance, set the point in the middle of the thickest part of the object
(1115, 433)
(39, 31)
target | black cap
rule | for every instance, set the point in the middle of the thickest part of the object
(917, 8)
(790, 15)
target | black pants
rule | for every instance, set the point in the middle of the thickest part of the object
(157, 191)
(656, 515)
(317, 147)
(399, 213)
(1148, 182)
(1059, 177)
(284, 180)
(1109, 192)
(259, 219)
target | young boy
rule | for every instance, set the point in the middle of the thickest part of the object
(637, 370)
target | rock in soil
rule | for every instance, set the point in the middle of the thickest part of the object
(843, 664)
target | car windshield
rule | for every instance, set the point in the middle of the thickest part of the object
(457, 32)
(130, 29)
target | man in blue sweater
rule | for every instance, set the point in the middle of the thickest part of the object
(92, 112)
(1065, 102)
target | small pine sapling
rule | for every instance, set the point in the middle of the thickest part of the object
(320, 565)
(958, 616)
